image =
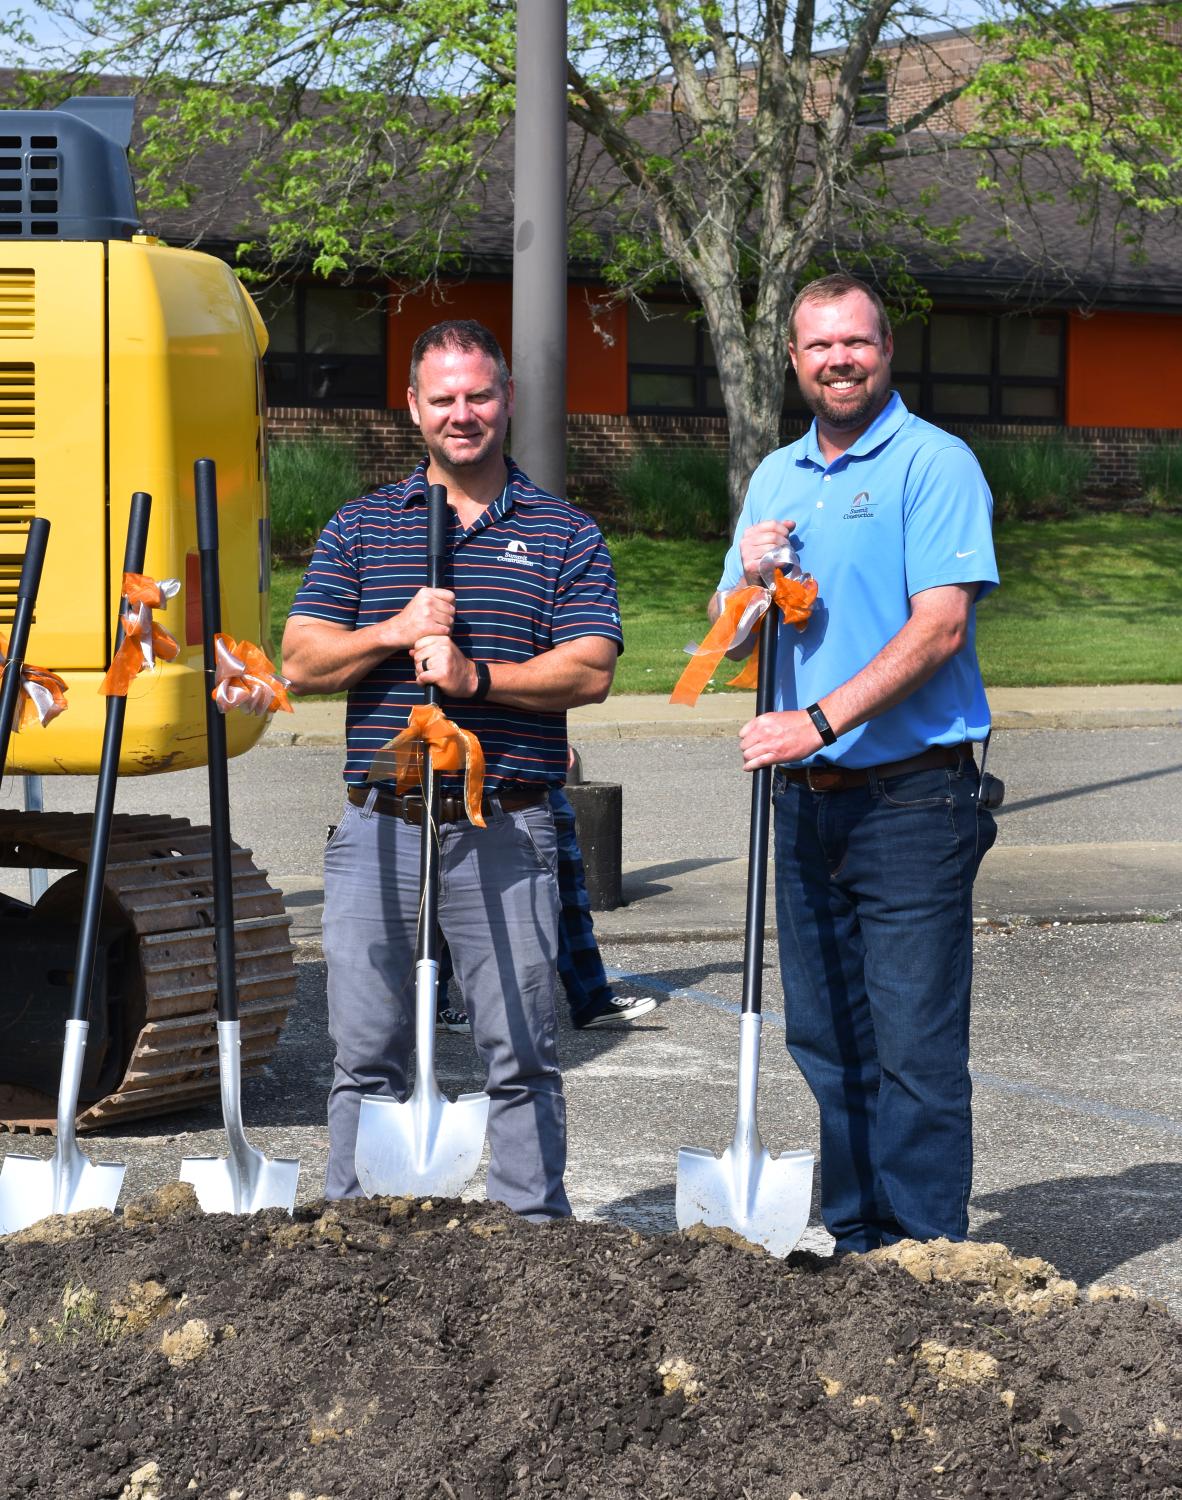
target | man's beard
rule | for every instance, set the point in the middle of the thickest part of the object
(476, 456)
(847, 415)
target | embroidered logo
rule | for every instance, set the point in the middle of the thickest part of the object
(859, 507)
(516, 552)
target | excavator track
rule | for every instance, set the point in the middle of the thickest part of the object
(159, 881)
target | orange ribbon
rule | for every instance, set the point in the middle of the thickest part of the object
(143, 640)
(246, 678)
(450, 747)
(42, 694)
(742, 610)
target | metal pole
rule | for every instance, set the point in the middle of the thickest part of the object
(35, 802)
(539, 244)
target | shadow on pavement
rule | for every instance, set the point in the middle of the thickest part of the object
(1084, 791)
(1130, 1213)
(639, 883)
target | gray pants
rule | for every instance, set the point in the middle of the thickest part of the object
(498, 909)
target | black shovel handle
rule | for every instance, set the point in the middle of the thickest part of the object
(757, 849)
(428, 948)
(104, 799)
(206, 486)
(22, 620)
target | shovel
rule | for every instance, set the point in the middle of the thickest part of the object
(30, 1188)
(427, 1146)
(763, 1198)
(246, 1180)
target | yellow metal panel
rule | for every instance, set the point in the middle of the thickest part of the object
(53, 443)
(183, 384)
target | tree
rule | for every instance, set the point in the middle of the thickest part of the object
(714, 142)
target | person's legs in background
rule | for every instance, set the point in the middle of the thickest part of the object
(588, 992)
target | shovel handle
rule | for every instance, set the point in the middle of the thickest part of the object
(427, 946)
(104, 799)
(206, 487)
(757, 852)
(22, 621)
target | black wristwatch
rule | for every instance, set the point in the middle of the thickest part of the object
(483, 682)
(823, 727)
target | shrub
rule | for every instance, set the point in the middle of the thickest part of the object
(308, 481)
(1160, 468)
(676, 492)
(1047, 474)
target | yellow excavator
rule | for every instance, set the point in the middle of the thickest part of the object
(122, 360)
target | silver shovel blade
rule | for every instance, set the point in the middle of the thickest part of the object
(763, 1198)
(245, 1181)
(32, 1188)
(223, 1187)
(427, 1147)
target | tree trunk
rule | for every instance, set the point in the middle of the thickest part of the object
(751, 372)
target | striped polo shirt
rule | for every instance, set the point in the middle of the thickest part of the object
(530, 573)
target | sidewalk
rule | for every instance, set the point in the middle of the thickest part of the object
(650, 715)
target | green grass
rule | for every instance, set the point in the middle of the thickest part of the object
(307, 482)
(1095, 600)
(1085, 600)
(1033, 477)
(1161, 473)
(675, 492)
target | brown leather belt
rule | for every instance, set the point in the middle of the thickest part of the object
(451, 809)
(824, 778)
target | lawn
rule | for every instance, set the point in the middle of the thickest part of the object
(1085, 600)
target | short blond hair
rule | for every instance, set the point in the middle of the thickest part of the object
(832, 289)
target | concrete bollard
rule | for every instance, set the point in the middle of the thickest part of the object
(599, 828)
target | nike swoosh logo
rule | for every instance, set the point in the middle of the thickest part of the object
(969, 553)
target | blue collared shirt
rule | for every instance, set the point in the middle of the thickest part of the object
(905, 508)
(530, 573)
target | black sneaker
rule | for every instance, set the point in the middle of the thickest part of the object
(613, 1011)
(453, 1020)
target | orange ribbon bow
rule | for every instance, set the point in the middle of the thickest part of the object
(246, 678)
(143, 639)
(743, 608)
(450, 747)
(42, 695)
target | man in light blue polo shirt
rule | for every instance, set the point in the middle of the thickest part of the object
(878, 824)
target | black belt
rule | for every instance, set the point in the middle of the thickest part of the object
(451, 809)
(825, 778)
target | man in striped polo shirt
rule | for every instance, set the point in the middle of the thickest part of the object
(527, 626)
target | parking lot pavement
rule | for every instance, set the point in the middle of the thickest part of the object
(1076, 1025)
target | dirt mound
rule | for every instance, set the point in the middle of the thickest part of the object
(449, 1351)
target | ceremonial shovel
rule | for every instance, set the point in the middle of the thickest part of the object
(427, 1146)
(31, 1189)
(246, 1180)
(764, 1198)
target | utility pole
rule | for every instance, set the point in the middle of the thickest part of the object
(538, 439)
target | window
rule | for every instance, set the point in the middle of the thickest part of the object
(982, 367)
(328, 346)
(671, 362)
(871, 106)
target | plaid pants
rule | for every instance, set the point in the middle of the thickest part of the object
(579, 965)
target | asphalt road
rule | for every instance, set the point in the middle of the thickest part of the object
(1076, 1026)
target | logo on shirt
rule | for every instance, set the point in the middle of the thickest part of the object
(859, 507)
(516, 552)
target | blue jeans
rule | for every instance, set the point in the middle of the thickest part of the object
(874, 914)
(579, 965)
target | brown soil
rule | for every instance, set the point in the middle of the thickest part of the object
(451, 1351)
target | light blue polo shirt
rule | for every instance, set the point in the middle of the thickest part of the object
(906, 508)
